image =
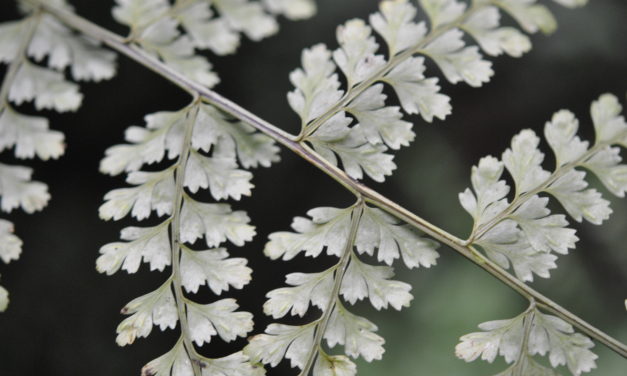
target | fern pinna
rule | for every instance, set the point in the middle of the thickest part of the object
(38, 38)
(524, 235)
(356, 128)
(348, 131)
(207, 148)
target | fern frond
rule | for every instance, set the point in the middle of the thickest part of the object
(343, 233)
(523, 233)
(323, 105)
(532, 333)
(23, 44)
(207, 147)
(173, 31)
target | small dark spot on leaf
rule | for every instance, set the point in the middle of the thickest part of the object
(200, 363)
(148, 371)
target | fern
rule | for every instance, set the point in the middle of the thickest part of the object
(207, 147)
(525, 235)
(23, 44)
(349, 131)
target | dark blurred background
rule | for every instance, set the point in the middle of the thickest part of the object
(63, 314)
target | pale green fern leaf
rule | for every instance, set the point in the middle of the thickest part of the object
(606, 166)
(338, 365)
(442, 11)
(572, 3)
(327, 228)
(217, 223)
(609, 125)
(219, 173)
(523, 233)
(157, 25)
(417, 94)
(208, 32)
(206, 148)
(459, 63)
(320, 100)
(316, 84)
(524, 162)
(544, 232)
(380, 124)
(134, 12)
(395, 23)
(17, 190)
(393, 240)
(554, 336)
(357, 155)
(148, 145)
(153, 191)
(219, 318)
(10, 249)
(214, 268)
(237, 139)
(177, 362)
(308, 287)
(356, 55)
(490, 192)
(367, 281)
(10, 33)
(150, 244)
(483, 25)
(581, 203)
(507, 245)
(541, 334)
(355, 333)
(41, 37)
(48, 89)
(155, 308)
(248, 17)
(531, 16)
(282, 341)
(292, 9)
(4, 299)
(561, 134)
(343, 233)
(30, 135)
(87, 62)
(10, 245)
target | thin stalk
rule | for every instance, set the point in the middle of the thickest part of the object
(461, 246)
(14, 68)
(337, 284)
(176, 238)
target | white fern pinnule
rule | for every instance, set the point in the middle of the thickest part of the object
(10, 249)
(173, 31)
(292, 9)
(23, 44)
(207, 149)
(531, 333)
(361, 142)
(342, 233)
(523, 233)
